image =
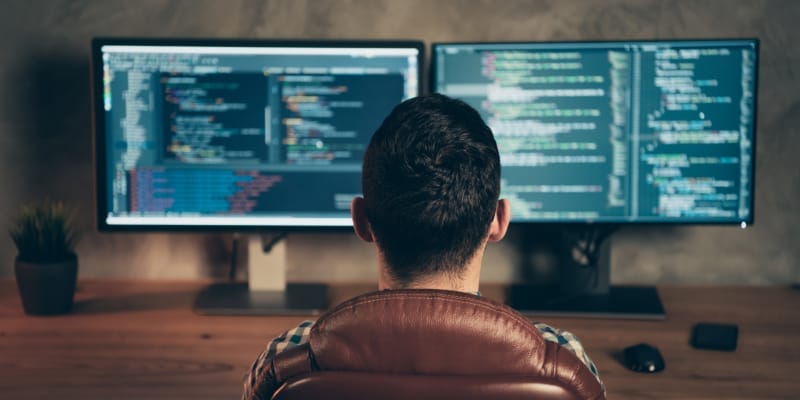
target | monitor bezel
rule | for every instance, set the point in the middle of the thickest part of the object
(99, 121)
(744, 223)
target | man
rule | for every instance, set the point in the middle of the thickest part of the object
(431, 183)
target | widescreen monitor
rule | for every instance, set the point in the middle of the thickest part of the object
(615, 132)
(236, 134)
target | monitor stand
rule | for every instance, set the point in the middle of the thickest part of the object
(585, 292)
(266, 291)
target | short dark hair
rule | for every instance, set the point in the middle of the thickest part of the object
(431, 182)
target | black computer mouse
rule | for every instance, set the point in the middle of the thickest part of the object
(643, 358)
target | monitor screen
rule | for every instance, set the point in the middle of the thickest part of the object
(216, 133)
(615, 132)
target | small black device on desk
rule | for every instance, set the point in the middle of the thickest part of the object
(643, 358)
(715, 336)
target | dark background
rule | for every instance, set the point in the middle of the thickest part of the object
(46, 142)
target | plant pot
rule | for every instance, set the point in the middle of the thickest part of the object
(49, 288)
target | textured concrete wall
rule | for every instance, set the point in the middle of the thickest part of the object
(46, 146)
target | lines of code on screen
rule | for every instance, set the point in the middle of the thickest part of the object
(212, 133)
(612, 132)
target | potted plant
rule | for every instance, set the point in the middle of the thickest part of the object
(46, 267)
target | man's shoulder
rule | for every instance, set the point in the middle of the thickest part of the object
(553, 334)
(567, 340)
(291, 338)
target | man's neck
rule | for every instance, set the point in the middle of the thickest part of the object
(444, 283)
(467, 281)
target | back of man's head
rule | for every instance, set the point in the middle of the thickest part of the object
(431, 183)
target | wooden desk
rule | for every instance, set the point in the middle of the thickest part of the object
(140, 340)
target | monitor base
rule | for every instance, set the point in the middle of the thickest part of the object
(621, 302)
(237, 299)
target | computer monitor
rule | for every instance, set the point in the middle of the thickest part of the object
(598, 134)
(241, 135)
(615, 132)
(224, 134)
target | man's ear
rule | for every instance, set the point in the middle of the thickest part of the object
(360, 222)
(502, 216)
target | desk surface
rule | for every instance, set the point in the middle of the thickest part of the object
(141, 340)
